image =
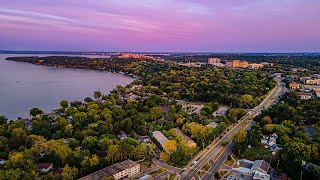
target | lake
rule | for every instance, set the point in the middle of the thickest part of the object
(24, 86)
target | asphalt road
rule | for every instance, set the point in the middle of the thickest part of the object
(214, 150)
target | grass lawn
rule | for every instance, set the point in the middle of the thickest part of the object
(172, 176)
(158, 172)
(201, 174)
(229, 162)
(222, 173)
(203, 170)
(206, 167)
(255, 153)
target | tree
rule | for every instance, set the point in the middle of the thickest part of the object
(113, 153)
(266, 120)
(206, 110)
(89, 142)
(235, 113)
(97, 95)
(3, 120)
(88, 99)
(156, 113)
(247, 99)
(35, 111)
(18, 137)
(294, 153)
(69, 173)
(19, 160)
(170, 146)
(240, 136)
(269, 128)
(64, 104)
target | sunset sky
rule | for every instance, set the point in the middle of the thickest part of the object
(161, 25)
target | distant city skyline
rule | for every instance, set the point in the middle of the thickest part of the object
(161, 25)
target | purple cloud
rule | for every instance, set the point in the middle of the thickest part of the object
(166, 25)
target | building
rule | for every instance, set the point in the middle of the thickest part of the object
(255, 66)
(2, 161)
(221, 111)
(312, 81)
(124, 169)
(267, 64)
(44, 167)
(304, 96)
(294, 86)
(213, 61)
(257, 169)
(213, 124)
(186, 138)
(271, 141)
(261, 166)
(143, 139)
(122, 135)
(162, 139)
(133, 56)
(237, 64)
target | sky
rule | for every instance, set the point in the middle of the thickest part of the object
(161, 25)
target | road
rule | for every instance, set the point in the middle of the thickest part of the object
(191, 173)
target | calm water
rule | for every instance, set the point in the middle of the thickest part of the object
(24, 86)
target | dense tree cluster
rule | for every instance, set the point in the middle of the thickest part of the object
(290, 119)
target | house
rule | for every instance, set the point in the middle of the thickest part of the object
(162, 139)
(260, 166)
(264, 140)
(257, 169)
(121, 170)
(186, 138)
(44, 167)
(213, 124)
(143, 139)
(122, 135)
(271, 141)
(304, 96)
(2, 161)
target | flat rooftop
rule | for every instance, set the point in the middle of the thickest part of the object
(162, 139)
(185, 137)
(110, 170)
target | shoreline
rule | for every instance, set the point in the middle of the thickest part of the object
(136, 77)
(23, 114)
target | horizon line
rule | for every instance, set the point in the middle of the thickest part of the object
(186, 52)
